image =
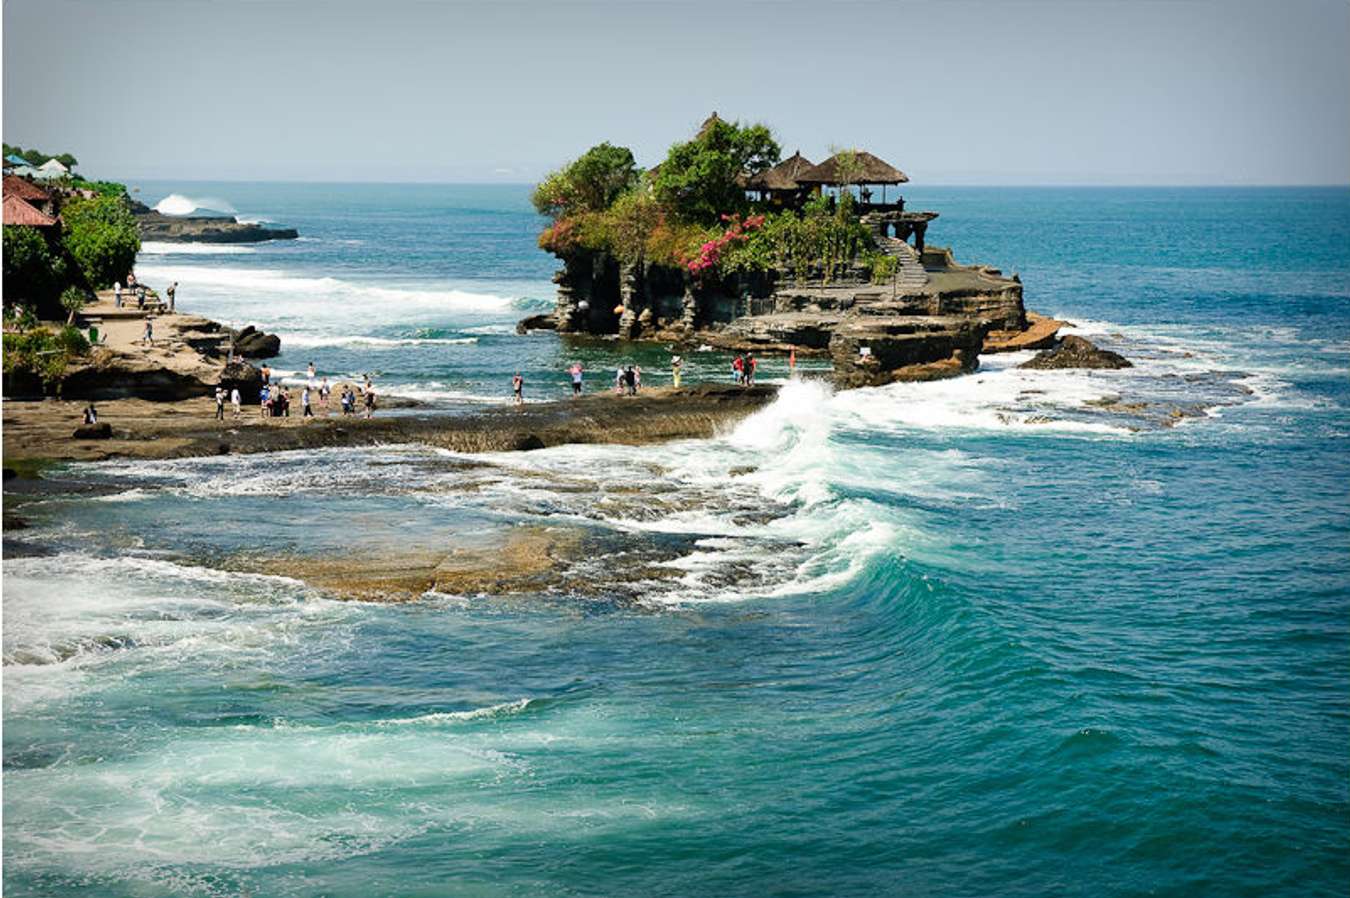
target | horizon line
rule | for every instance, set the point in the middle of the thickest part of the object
(980, 184)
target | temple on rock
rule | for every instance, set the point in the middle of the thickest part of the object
(726, 244)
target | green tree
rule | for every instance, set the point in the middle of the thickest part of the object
(633, 219)
(67, 160)
(72, 300)
(591, 183)
(101, 236)
(702, 179)
(33, 272)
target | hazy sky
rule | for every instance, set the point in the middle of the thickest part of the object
(959, 91)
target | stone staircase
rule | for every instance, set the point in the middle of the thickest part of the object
(910, 275)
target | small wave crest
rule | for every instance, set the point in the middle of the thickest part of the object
(179, 204)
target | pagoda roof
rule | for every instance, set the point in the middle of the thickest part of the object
(784, 175)
(871, 171)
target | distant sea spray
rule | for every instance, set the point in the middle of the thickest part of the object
(178, 204)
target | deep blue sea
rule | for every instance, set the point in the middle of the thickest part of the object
(1021, 633)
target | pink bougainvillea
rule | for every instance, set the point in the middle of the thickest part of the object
(710, 253)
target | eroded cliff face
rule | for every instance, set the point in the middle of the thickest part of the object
(928, 321)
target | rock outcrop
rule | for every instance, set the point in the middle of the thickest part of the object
(1076, 352)
(870, 352)
(1040, 333)
(100, 431)
(242, 376)
(922, 321)
(252, 343)
(206, 229)
(546, 322)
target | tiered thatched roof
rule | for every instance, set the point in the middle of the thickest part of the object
(783, 176)
(870, 170)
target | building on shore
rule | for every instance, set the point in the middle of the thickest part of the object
(20, 212)
(52, 170)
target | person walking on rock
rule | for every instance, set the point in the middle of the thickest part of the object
(220, 403)
(518, 388)
(173, 288)
(117, 294)
(149, 336)
(236, 400)
(576, 378)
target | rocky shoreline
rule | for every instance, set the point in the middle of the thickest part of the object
(44, 430)
(156, 226)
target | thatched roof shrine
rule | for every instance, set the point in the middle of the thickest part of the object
(867, 169)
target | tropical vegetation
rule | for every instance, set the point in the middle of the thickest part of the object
(691, 211)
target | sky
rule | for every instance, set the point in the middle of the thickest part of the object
(952, 92)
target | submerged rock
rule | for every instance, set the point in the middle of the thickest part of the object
(1076, 352)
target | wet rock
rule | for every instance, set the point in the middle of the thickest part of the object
(875, 351)
(205, 229)
(1076, 352)
(537, 323)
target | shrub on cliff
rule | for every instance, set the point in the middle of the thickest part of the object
(591, 183)
(701, 179)
(824, 239)
(101, 236)
(43, 353)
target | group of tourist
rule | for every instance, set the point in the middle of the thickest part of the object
(275, 399)
(235, 400)
(743, 369)
(628, 378)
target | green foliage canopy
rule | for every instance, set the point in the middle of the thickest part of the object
(33, 272)
(101, 236)
(590, 184)
(701, 179)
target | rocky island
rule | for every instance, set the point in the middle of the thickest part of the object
(154, 225)
(724, 244)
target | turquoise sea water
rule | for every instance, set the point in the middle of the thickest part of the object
(982, 636)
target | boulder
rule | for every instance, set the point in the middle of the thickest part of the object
(99, 431)
(254, 344)
(537, 323)
(240, 375)
(1075, 352)
(869, 352)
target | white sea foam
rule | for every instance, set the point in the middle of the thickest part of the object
(178, 204)
(308, 341)
(164, 248)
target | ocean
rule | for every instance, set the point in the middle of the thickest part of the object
(1021, 633)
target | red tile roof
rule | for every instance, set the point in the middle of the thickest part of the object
(24, 189)
(20, 212)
